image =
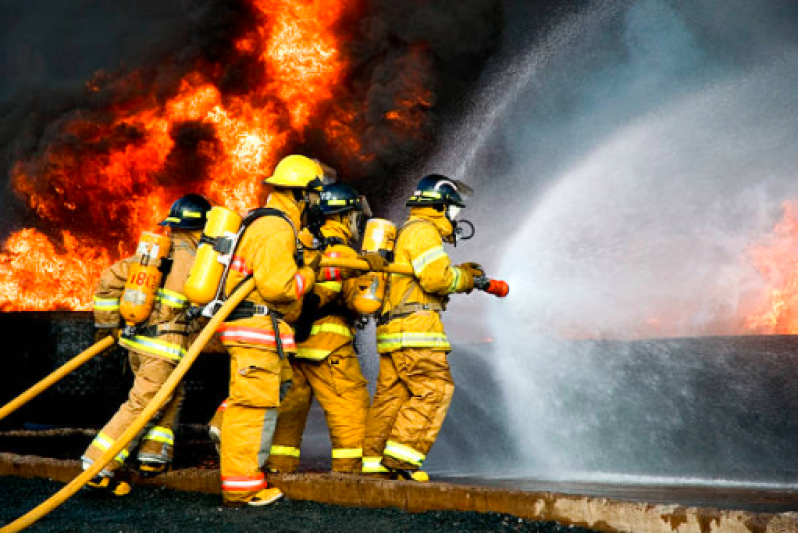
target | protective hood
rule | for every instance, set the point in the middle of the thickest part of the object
(438, 218)
(284, 201)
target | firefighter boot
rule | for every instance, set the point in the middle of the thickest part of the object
(109, 485)
(419, 476)
(148, 468)
(265, 497)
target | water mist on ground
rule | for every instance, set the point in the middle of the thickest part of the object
(625, 163)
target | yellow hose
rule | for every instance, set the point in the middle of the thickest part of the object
(157, 402)
(56, 376)
(360, 264)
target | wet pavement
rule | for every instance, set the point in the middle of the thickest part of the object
(758, 499)
(151, 509)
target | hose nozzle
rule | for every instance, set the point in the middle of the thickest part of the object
(495, 287)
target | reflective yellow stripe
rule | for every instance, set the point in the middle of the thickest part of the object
(310, 353)
(373, 465)
(104, 443)
(172, 298)
(334, 286)
(347, 453)
(338, 329)
(395, 341)
(288, 451)
(167, 350)
(106, 304)
(455, 280)
(404, 453)
(430, 256)
(161, 434)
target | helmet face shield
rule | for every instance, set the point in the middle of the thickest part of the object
(357, 223)
(364, 206)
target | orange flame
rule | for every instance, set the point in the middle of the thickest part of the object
(122, 187)
(777, 261)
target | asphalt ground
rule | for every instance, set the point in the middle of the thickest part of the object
(151, 509)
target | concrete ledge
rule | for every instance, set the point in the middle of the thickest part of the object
(598, 514)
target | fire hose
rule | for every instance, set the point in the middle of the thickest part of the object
(157, 402)
(495, 287)
(65, 369)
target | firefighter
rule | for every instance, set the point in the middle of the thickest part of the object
(155, 347)
(257, 333)
(326, 364)
(415, 386)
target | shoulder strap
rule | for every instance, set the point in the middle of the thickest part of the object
(259, 212)
(413, 281)
(251, 217)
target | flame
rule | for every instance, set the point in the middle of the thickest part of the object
(777, 261)
(115, 172)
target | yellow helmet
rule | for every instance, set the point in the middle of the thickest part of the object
(297, 172)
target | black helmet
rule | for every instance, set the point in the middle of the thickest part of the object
(436, 189)
(188, 212)
(341, 198)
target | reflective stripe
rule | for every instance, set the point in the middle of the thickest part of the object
(332, 273)
(106, 304)
(334, 286)
(222, 406)
(161, 434)
(172, 299)
(104, 443)
(244, 483)
(310, 353)
(338, 329)
(347, 453)
(300, 284)
(288, 451)
(455, 280)
(242, 334)
(239, 265)
(395, 341)
(167, 350)
(404, 453)
(373, 465)
(430, 256)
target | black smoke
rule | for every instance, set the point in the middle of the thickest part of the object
(67, 60)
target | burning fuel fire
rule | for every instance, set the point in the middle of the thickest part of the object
(112, 170)
(777, 261)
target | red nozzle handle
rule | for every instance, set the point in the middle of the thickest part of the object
(498, 288)
(495, 287)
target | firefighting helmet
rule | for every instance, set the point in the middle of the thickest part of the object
(436, 189)
(188, 212)
(340, 198)
(297, 172)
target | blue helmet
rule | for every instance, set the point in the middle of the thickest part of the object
(188, 212)
(436, 189)
(341, 198)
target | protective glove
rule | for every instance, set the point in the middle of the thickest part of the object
(314, 262)
(101, 333)
(376, 261)
(475, 269)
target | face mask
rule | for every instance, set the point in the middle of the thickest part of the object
(452, 211)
